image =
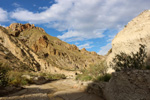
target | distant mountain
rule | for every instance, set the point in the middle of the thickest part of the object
(134, 33)
(30, 46)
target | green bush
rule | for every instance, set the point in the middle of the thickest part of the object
(148, 67)
(3, 75)
(93, 72)
(97, 69)
(55, 76)
(104, 78)
(9, 77)
(124, 61)
(15, 78)
(83, 77)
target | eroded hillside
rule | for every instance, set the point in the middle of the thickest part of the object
(33, 46)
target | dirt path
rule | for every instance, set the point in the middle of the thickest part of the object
(57, 90)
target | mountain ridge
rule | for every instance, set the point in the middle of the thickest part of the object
(33, 46)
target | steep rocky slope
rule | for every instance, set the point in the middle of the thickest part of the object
(41, 52)
(134, 33)
(8, 59)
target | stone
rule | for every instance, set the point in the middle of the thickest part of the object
(74, 47)
(32, 25)
(136, 32)
(125, 87)
(43, 41)
(83, 50)
(27, 77)
(39, 80)
(94, 53)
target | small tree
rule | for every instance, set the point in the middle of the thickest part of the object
(124, 61)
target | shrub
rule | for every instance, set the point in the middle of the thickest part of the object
(98, 69)
(8, 77)
(93, 72)
(55, 76)
(124, 61)
(83, 77)
(15, 78)
(3, 75)
(104, 78)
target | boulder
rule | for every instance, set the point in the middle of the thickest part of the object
(130, 85)
(27, 77)
(83, 50)
(73, 47)
(43, 41)
(39, 80)
(94, 53)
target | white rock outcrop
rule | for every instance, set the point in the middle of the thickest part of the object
(134, 33)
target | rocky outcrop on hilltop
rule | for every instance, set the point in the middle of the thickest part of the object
(17, 28)
(20, 27)
(134, 33)
(42, 52)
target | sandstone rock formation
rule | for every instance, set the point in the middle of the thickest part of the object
(20, 27)
(41, 52)
(83, 49)
(134, 33)
(16, 28)
(94, 53)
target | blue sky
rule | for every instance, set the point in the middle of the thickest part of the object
(90, 24)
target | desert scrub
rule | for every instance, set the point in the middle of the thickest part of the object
(124, 62)
(54, 76)
(15, 78)
(10, 77)
(3, 75)
(93, 72)
(83, 77)
(104, 78)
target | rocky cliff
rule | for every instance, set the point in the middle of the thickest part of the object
(134, 33)
(32, 46)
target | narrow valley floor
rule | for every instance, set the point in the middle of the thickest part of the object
(56, 90)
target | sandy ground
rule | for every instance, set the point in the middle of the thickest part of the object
(66, 89)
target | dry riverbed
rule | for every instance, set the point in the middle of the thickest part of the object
(67, 89)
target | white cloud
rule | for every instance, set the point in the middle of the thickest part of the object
(2, 25)
(104, 49)
(84, 19)
(111, 37)
(86, 45)
(34, 5)
(3, 15)
(77, 35)
(76, 43)
(16, 4)
(43, 8)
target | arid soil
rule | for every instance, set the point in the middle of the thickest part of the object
(66, 89)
